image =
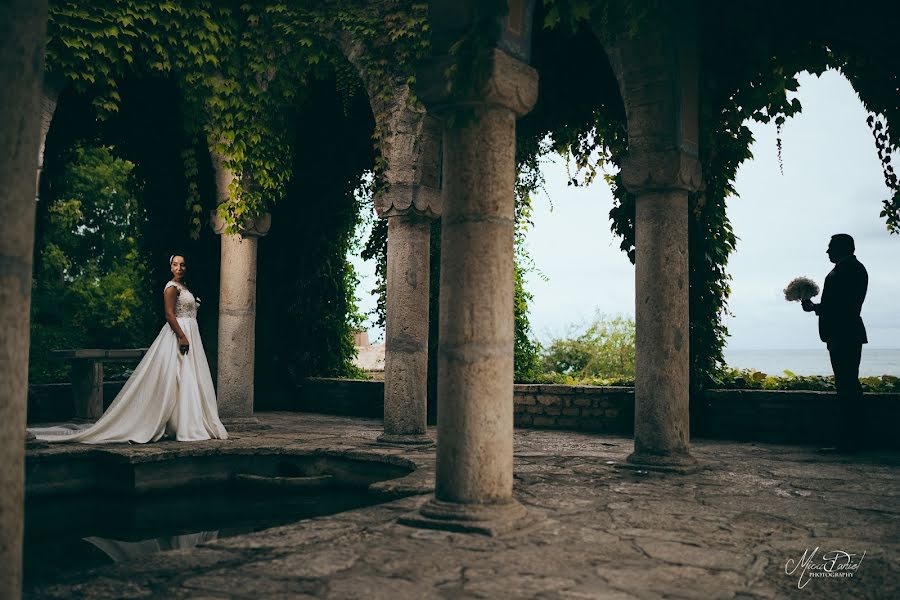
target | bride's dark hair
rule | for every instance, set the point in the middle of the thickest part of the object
(168, 273)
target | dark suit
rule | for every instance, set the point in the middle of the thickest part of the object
(841, 328)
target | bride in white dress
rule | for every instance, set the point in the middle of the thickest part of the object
(171, 390)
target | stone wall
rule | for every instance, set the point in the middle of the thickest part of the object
(774, 416)
(586, 408)
(744, 415)
(350, 397)
(792, 416)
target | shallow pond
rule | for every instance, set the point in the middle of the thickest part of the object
(65, 535)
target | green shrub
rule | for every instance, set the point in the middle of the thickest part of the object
(750, 379)
(559, 379)
(603, 351)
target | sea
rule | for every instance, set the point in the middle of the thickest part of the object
(875, 361)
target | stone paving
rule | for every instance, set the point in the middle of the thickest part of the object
(726, 531)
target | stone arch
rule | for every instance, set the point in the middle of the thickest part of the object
(148, 130)
(332, 148)
(51, 88)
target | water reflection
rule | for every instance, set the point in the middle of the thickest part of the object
(120, 550)
(88, 531)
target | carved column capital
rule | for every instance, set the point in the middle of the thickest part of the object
(510, 84)
(412, 149)
(225, 178)
(658, 171)
(257, 227)
(409, 200)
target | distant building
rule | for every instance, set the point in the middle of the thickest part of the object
(369, 357)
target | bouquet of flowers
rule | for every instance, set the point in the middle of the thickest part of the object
(801, 288)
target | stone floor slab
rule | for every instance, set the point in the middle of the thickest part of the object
(726, 531)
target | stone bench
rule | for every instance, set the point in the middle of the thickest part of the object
(87, 375)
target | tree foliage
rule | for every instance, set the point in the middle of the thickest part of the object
(90, 273)
(603, 349)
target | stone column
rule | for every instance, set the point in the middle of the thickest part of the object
(474, 478)
(410, 146)
(237, 311)
(406, 330)
(662, 360)
(23, 25)
(657, 71)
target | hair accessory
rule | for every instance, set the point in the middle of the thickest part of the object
(171, 258)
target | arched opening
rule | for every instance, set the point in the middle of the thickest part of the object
(818, 176)
(306, 286)
(145, 137)
(302, 272)
(580, 271)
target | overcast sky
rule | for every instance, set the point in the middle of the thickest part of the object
(832, 183)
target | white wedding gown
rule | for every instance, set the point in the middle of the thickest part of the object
(168, 393)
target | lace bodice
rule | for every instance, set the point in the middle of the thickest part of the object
(186, 303)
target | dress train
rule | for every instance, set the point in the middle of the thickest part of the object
(168, 393)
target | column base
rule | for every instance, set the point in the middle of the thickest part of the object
(406, 439)
(483, 519)
(243, 424)
(683, 464)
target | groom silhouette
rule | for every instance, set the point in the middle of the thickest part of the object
(842, 329)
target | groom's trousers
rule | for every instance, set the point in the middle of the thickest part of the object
(845, 358)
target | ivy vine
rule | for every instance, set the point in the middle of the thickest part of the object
(240, 66)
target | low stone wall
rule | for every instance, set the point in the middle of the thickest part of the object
(349, 397)
(586, 408)
(744, 415)
(793, 416)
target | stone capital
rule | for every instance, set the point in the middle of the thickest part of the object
(411, 147)
(510, 83)
(409, 200)
(645, 171)
(256, 227)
